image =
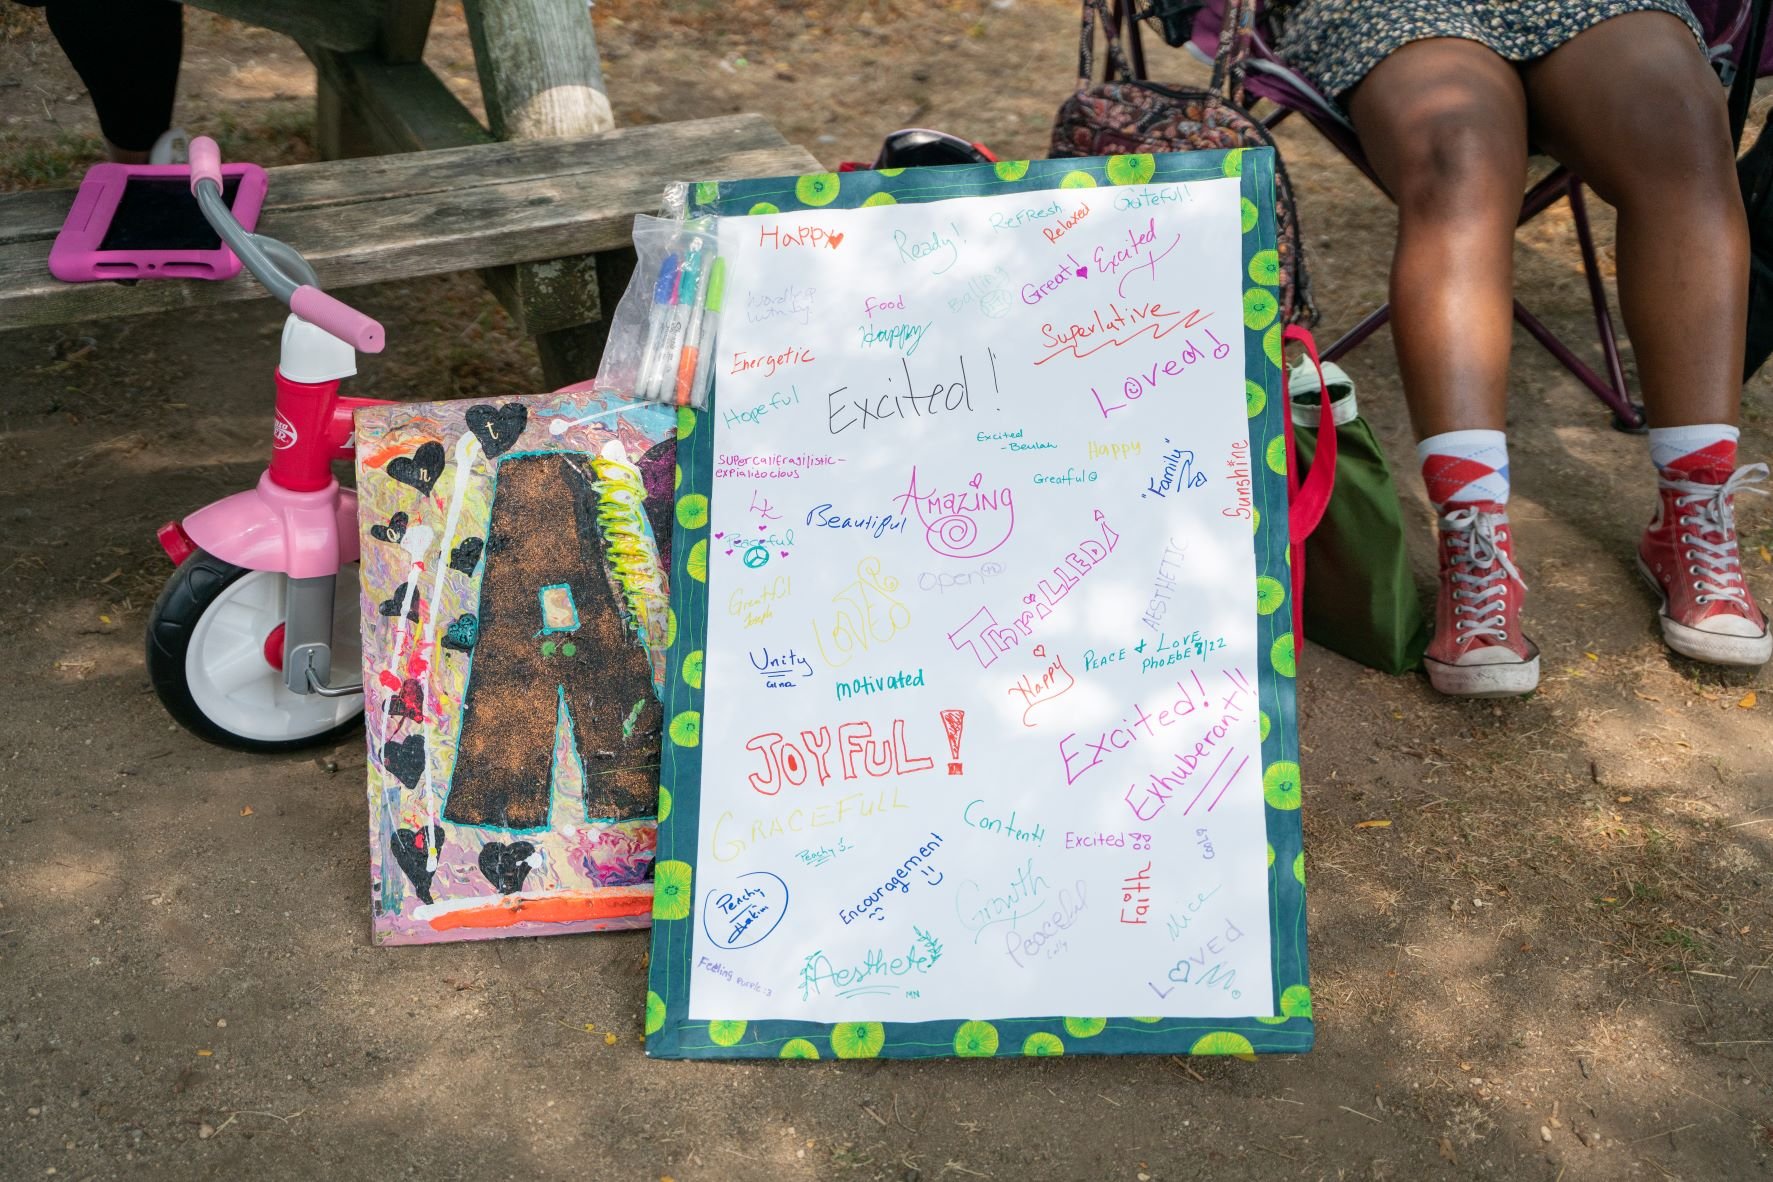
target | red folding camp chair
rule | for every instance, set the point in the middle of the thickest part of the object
(1727, 24)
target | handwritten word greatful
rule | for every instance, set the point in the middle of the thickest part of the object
(986, 639)
(843, 413)
(870, 905)
(785, 762)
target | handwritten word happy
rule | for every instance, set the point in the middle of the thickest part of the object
(903, 337)
(783, 237)
(1114, 451)
(1053, 683)
(1044, 940)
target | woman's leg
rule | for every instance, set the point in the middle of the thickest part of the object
(1444, 123)
(128, 56)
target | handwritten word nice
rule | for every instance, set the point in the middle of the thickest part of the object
(1113, 327)
(1080, 760)
(792, 355)
(903, 402)
(1136, 386)
(787, 763)
(785, 237)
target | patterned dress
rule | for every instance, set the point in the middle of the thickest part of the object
(1335, 42)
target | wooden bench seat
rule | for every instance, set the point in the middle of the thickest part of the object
(418, 213)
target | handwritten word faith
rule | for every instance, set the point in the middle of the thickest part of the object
(1135, 894)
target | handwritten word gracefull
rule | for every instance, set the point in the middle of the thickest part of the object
(862, 687)
(872, 976)
(874, 524)
(987, 640)
(904, 402)
(1135, 386)
(1110, 328)
(792, 355)
(1081, 759)
(786, 237)
(858, 752)
(845, 810)
(952, 519)
(1170, 651)
(989, 824)
(1215, 741)
(870, 905)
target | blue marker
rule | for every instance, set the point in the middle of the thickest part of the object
(664, 292)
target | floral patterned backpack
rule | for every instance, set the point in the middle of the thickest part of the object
(1126, 114)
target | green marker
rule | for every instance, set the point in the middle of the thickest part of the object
(713, 291)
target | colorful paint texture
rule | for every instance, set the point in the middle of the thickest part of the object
(515, 623)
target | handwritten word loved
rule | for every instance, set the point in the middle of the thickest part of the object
(987, 640)
(792, 355)
(871, 905)
(1136, 386)
(944, 397)
(781, 670)
(874, 974)
(862, 687)
(1044, 940)
(787, 763)
(985, 824)
(793, 303)
(754, 414)
(1237, 471)
(787, 237)
(1165, 586)
(1193, 969)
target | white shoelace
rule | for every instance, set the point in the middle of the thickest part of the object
(1715, 567)
(1481, 569)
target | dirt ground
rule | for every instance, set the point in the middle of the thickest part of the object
(1555, 963)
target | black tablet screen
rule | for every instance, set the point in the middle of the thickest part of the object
(160, 213)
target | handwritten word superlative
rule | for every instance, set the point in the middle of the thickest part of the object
(872, 905)
(987, 640)
(859, 754)
(843, 409)
(875, 972)
(863, 687)
(865, 615)
(952, 520)
(1150, 800)
(1168, 566)
(1135, 895)
(1110, 328)
(977, 815)
(1136, 386)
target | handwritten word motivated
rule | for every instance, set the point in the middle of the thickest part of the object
(1162, 786)
(862, 687)
(1191, 647)
(794, 303)
(769, 466)
(986, 639)
(1053, 683)
(781, 670)
(742, 915)
(1057, 230)
(871, 905)
(903, 337)
(850, 808)
(1114, 451)
(1136, 728)
(1008, 828)
(754, 414)
(1044, 940)
(941, 581)
(1135, 896)
(817, 856)
(866, 615)
(874, 524)
(1110, 328)
(952, 520)
(1135, 386)
(937, 248)
(787, 763)
(873, 974)
(1237, 471)
(1168, 566)
(1116, 840)
(759, 608)
(944, 397)
(720, 970)
(980, 910)
(785, 237)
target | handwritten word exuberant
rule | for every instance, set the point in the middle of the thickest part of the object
(794, 303)
(870, 906)
(846, 809)
(1079, 761)
(862, 687)
(1044, 940)
(951, 519)
(902, 337)
(873, 974)
(940, 581)
(875, 524)
(755, 413)
(987, 824)
(1111, 328)
(1238, 473)
(792, 355)
(781, 670)
(787, 763)
(1136, 386)
(1054, 683)
(986, 639)
(769, 466)
(1161, 590)
(1214, 742)
(867, 615)
(843, 413)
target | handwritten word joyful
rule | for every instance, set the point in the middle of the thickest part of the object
(855, 806)
(1165, 585)
(1044, 940)
(1136, 386)
(1141, 725)
(951, 519)
(940, 581)
(795, 303)
(754, 414)
(1114, 326)
(783, 237)
(875, 969)
(1238, 472)
(841, 414)
(781, 670)
(1008, 828)
(1161, 786)
(867, 615)
(875, 524)
(862, 687)
(785, 762)
(792, 355)
(904, 337)
(869, 907)
(757, 609)
(986, 639)
(1135, 892)
(1052, 684)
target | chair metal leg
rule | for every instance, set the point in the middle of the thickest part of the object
(1626, 416)
(1603, 317)
(1374, 321)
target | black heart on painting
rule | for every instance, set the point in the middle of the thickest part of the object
(408, 703)
(393, 531)
(497, 429)
(410, 852)
(467, 556)
(422, 469)
(406, 759)
(391, 605)
(505, 866)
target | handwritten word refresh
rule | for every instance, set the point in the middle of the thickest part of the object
(871, 905)
(858, 753)
(951, 520)
(987, 640)
(1136, 386)
(843, 413)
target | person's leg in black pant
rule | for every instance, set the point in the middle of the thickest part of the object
(128, 56)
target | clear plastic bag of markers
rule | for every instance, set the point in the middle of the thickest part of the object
(662, 336)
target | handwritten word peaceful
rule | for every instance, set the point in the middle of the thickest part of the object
(1044, 940)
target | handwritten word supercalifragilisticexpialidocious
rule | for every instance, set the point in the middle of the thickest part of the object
(859, 754)
(768, 466)
(904, 399)
(987, 640)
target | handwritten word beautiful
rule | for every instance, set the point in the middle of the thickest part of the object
(867, 614)
(1161, 787)
(986, 639)
(843, 413)
(875, 524)
(1136, 386)
(874, 972)
(951, 519)
(862, 687)
(785, 762)
(986, 824)
(870, 905)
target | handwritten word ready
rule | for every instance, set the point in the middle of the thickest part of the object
(940, 581)
(1054, 682)
(1135, 892)
(1136, 386)
(951, 520)
(1115, 326)
(781, 670)
(756, 609)
(1165, 585)
(786, 763)
(986, 639)
(1173, 652)
(1057, 230)
(903, 337)
(875, 524)
(979, 911)
(754, 414)
(1161, 786)
(874, 972)
(985, 824)
(740, 916)
(867, 615)
(1136, 728)
(1114, 451)
(1089, 841)
(870, 906)
(862, 687)
(1238, 473)
(1044, 940)
(794, 303)
(852, 807)
(768, 466)
(938, 247)
(784, 237)
(792, 355)
(842, 414)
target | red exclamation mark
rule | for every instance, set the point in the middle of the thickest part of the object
(954, 721)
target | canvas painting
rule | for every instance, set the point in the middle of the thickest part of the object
(515, 617)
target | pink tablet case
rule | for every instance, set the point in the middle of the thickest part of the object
(79, 254)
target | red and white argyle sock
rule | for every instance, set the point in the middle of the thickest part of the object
(1704, 452)
(1465, 468)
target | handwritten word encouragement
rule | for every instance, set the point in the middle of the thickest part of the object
(872, 905)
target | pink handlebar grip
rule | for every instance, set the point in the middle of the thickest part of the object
(341, 320)
(206, 162)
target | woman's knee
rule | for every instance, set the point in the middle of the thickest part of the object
(1457, 164)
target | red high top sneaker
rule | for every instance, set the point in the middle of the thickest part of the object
(1478, 650)
(1689, 555)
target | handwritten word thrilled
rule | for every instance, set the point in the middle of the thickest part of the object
(862, 687)
(1008, 828)
(986, 639)
(785, 762)
(870, 905)
(843, 413)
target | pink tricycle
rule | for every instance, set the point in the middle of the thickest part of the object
(245, 642)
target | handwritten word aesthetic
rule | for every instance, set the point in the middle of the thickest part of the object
(872, 905)
(1168, 564)
(873, 974)
(987, 640)
(858, 752)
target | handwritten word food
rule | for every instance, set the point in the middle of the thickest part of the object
(871, 905)
(871, 305)
(781, 670)
(1165, 586)
(873, 973)
(858, 754)
(1042, 940)
(866, 615)
(874, 524)
(987, 640)
(903, 399)
(862, 687)
(952, 520)
(1135, 895)
(976, 815)
(1150, 800)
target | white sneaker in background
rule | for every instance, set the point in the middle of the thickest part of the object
(173, 147)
